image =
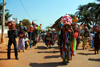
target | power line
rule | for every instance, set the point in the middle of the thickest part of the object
(25, 9)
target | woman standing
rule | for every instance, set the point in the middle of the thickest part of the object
(21, 34)
(85, 36)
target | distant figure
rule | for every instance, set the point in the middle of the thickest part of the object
(12, 34)
(90, 38)
(97, 38)
(85, 36)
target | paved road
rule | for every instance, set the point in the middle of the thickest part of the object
(39, 56)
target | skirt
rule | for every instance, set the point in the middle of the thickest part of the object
(21, 44)
(85, 40)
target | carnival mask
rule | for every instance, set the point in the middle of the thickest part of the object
(11, 25)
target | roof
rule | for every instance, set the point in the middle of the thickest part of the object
(55, 25)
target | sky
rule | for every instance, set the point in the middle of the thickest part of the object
(44, 12)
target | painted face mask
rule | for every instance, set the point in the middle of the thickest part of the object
(11, 25)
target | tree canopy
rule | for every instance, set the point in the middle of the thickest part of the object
(7, 14)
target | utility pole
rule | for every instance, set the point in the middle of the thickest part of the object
(3, 22)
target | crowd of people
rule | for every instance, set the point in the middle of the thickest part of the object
(67, 36)
(25, 37)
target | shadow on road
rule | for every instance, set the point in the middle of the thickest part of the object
(10, 49)
(48, 52)
(53, 56)
(54, 64)
(40, 47)
(55, 47)
(94, 59)
(6, 58)
(6, 52)
(91, 50)
(86, 53)
(79, 49)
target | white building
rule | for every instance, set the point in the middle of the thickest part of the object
(16, 20)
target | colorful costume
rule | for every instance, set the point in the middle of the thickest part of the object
(34, 37)
(64, 44)
(48, 38)
(30, 33)
(26, 39)
(75, 33)
(85, 36)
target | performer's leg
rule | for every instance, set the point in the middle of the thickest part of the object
(95, 50)
(15, 49)
(29, 43)
(9, 48)
(98, 50)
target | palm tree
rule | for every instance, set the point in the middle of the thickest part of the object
(80, 12)
(90, 7)
(83, 15)
(88, 13)
(1, 8)
(7, 15)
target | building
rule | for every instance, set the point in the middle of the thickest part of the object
(16, 20)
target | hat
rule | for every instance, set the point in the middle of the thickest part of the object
(49, 28)
(10, 19)
(30, 26)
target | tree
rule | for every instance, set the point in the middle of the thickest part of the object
(88, 13)
(83, 15)
(26, 23)
(6, 14)
(47, 27)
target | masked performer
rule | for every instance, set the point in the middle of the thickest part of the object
(64, 46)
(34, 35)
(97, 38)
(12, 34)
(74, 43)
(27, 41)
(48, 38)
(30, 33)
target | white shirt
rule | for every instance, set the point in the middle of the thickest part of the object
(91, 36)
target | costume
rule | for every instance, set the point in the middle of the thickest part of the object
(74, 43)
(26, 39)
(12, 34)
(97, 39)
(21, 35)
(34, 37)
(48, 38)
(85, 36)
(30, 33)
(64, 44)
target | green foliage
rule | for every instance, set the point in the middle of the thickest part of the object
(47, 27)
(26, 23)
(7, 14)
(88, 13)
